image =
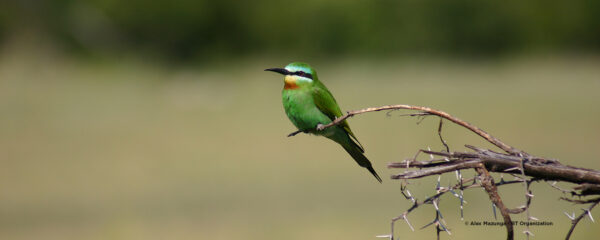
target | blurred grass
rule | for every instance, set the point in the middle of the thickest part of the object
(132, 150)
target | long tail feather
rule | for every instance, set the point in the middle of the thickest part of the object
(358, 156)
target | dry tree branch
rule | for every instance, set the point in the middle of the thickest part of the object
(488, 184)
(496, 162)
(523, 166)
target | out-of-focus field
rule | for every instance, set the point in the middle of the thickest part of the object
(132, 150)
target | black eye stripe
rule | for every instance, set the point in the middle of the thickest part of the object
(302, 74)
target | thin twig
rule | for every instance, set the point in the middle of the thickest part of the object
(440, 134)
(585, 212)
(507, 148)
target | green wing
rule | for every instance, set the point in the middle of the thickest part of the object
(327, 105)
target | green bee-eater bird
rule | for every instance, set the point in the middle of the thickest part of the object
(309, 105)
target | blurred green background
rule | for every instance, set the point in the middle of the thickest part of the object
(155, 120)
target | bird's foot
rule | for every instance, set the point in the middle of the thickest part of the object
(320, 127)
(295, 133)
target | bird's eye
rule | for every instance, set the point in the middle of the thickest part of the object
(303, 74)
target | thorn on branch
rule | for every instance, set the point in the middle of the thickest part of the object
(572, 217)
(408, 222)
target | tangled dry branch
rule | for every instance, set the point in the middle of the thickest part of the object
(525, 167)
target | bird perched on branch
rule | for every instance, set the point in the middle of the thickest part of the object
(310, 106)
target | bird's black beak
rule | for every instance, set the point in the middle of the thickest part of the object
(278, 70)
